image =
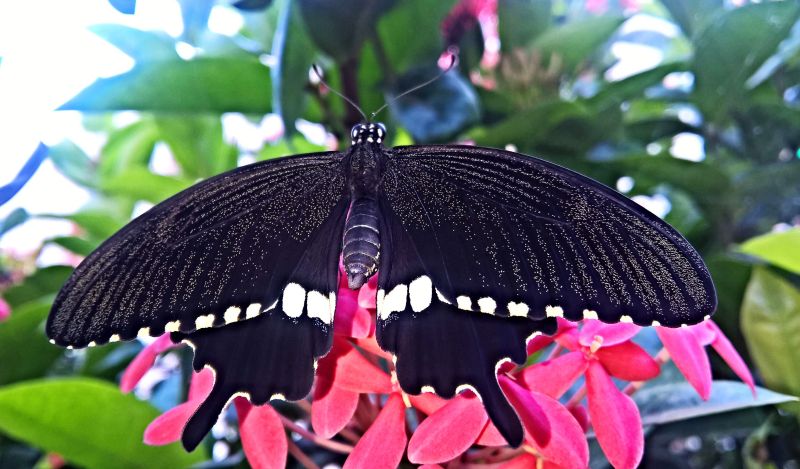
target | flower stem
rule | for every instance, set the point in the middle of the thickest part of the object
(316, 439)
(301, 457)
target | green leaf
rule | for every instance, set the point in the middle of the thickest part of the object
(73, 163)
(340, 27)
(126, 148)
(771, 326)
(691, 15)
(200, 85)
(197, 144)
(521, 21)
(780, 249)
(139, 45)
(679, 401)
(89, 422)
(141, 184)
(617, 92)
(650, 130)
(530, 126)
(294, 53)
(79, 246)
(576, 41)
(24, 349)
(732, 46)
(437, 111)
(17, 217)
(97, 223)
(40, 284)
(410, 33)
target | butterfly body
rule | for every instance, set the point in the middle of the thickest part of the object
(476, 250)
(364, 164)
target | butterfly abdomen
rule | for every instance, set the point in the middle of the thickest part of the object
(362, 241)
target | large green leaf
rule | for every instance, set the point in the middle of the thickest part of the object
(732, 46)
(141, 184)
(128, 147)
(294, 54)
(781, 249)
(41, 284)
(340, 27)
(197, 144)
(24, 350)
(140, 45)
(521, 21)
(89, 422)
(576, 41)
(73, 163)
(615, 93)
(690, 15)
(410, 33)
(74, 244)
(771, 327)
(530, 126)
(200, 85)
(679, 401)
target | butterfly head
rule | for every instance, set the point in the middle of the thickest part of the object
(368, 133)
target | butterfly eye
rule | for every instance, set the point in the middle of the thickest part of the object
(381, 130)
(354, 133)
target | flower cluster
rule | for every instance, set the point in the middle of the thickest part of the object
(358, 408)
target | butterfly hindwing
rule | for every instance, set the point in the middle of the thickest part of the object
(438, 347)
(222, 251)
(518, 236)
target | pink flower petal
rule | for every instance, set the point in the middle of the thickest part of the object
(581, 416)
(143, 362)
(704, 333)
(615, 418)
(368, 293)
(554, 377)
(383, 444)
(332, 408)
(350, 319)
(538, 343)
(523, 461)
(427, 402)
(568, 339)
(612, 334)
(263, 437)
(725, 349)
(5, 310)
(628, 361)
(449, 431)
(201, 384)
(167, 427)
(369, 344)
(689, 356)
(430, 466)
(490, 436)
(348, 369)
(566, 445)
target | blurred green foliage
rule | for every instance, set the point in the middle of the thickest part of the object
(729, 77)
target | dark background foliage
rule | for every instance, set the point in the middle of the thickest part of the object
(729, 78)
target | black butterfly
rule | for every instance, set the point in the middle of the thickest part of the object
(476, 250)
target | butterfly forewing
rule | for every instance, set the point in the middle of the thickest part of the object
(222, 251)
(512, 235)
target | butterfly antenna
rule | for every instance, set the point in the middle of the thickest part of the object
(421, 85)
(318, 72)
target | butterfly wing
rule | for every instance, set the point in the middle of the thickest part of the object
(512, 235)
(255, 250)
(220, 251)
(483, 248)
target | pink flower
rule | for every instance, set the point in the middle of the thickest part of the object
(465, 16)
(599, 351)
(686, 346)
(5, 310)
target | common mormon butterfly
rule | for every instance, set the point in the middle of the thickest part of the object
(475, 249)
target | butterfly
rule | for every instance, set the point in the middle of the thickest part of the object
(476, 250)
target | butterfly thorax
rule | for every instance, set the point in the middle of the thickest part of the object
(361, 240)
